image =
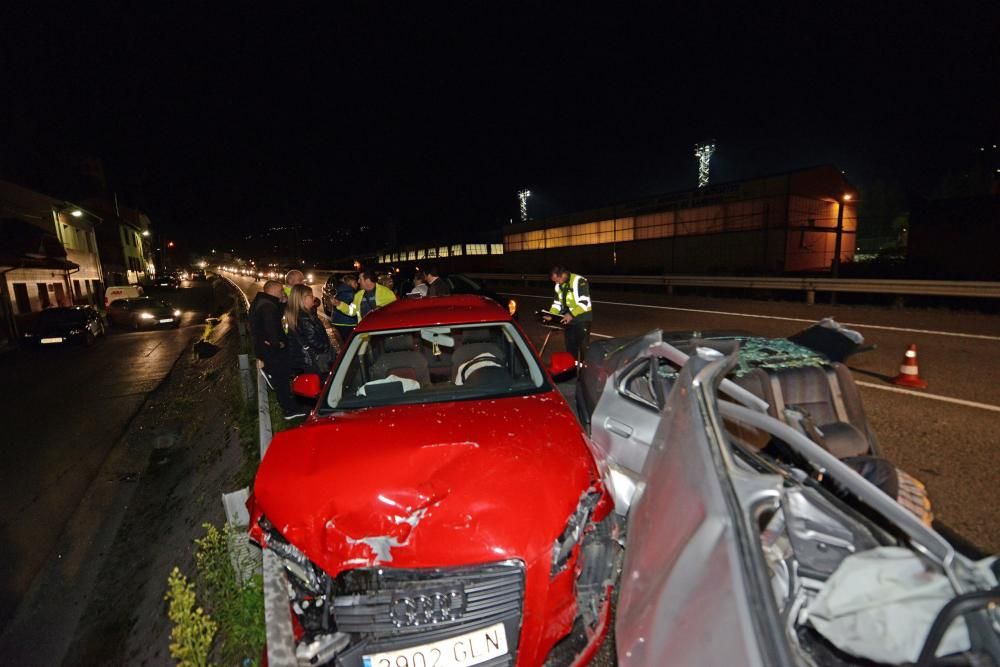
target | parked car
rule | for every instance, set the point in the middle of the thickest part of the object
(143, 312)
(115, 292)
(763, 526)
(166, 281)
(55, 326)
(199, 274)
(441, 501)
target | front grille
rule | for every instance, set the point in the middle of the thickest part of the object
(491, 593)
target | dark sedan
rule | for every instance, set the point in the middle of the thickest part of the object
(168, 281)
(142, 313)
(76, 324)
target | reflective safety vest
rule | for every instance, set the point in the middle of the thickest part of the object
(383, 297)
(573, 297)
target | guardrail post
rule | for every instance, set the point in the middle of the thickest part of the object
(670, 290)
(810, 297)
(246, 378)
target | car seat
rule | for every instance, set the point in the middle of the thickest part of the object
(474, 343)
(400, 357)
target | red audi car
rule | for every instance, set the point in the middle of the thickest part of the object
(441, 505)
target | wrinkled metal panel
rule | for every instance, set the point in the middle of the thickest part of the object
(683, 596)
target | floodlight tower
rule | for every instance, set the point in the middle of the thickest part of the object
(522, 196)
(704, 154)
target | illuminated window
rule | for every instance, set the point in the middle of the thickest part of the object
(421, 254)
(432, 253)
(411, 255)
(475, 248)
(443, 251)
(496, 248)
(456, 250)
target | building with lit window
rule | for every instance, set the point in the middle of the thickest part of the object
(774, 224)
(48, 255)
(124, 240)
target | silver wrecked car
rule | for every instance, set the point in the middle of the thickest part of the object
(763, 527)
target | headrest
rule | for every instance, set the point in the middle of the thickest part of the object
(842, 440)
(398, 343)
(483, 335)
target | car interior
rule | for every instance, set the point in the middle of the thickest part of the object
(437, 360)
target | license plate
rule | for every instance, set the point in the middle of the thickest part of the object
(52, 340)
(471, 648)
(169, 319)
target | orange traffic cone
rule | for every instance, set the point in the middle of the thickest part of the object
(909, 374)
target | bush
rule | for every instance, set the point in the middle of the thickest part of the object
(232, 628)
(193, 631)
(237, 605)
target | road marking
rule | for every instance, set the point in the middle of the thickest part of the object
(778, 317)
(933, 397)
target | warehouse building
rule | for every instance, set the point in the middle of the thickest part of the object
(775, 224)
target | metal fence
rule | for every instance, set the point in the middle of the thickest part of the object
(892, 287)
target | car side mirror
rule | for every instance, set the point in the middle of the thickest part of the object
(561, 363)
(306, 386)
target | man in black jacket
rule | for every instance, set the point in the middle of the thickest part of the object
(271, 346)
(436, 285)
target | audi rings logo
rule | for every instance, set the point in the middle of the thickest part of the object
(427, 607)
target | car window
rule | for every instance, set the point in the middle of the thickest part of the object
(462, 285)
(649, 382)
(119, 303)
(61, 316)
(434, 364)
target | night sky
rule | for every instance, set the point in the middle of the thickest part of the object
(219, 120)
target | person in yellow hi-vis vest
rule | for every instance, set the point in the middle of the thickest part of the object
(368, 298)
(572, 304)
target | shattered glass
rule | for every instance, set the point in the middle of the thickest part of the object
(774, 354)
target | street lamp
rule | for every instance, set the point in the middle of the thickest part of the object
(838, 239)
(145, 232)
(76, 213)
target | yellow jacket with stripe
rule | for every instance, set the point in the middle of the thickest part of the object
(383, 297)
(573, 297)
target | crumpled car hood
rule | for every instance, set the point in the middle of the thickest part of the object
(428, 485)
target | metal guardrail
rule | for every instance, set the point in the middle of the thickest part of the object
(950, 288)
(279, 634)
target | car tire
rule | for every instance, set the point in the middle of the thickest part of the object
(135, 324)
(89, 338)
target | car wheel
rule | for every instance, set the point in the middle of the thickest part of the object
(89, 338)
(135, 324)
(101, 329)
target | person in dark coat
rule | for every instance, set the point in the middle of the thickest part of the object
(436, 285)
(271, 346)
(344, 324)
(307, 340)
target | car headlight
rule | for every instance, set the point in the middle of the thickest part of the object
(177, 313)
(512, 307)
(562, 548)
(309, 278)
(146, 316)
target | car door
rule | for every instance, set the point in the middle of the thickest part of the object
(118, 312)
(625, 421)
(627, 414)
(688, 592)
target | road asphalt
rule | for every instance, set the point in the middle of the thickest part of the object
(63, 411)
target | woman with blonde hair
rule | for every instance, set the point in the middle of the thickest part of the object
(307, 338)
